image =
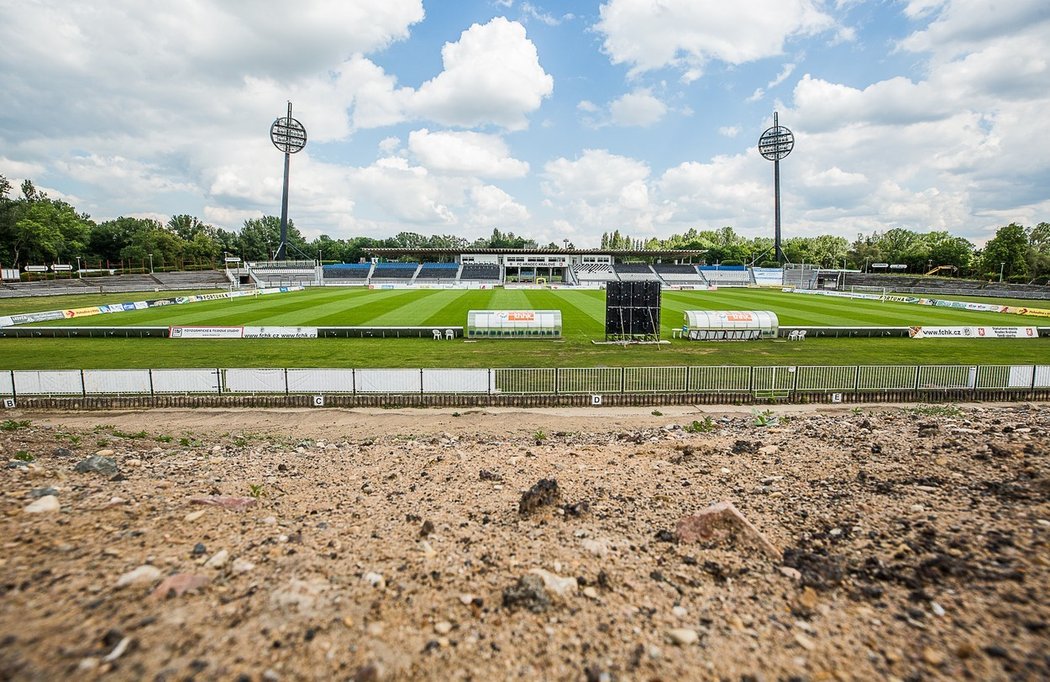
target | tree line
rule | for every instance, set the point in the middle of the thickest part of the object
(1018, 253)
(37, 229)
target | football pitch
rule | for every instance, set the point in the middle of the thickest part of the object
(583, 313)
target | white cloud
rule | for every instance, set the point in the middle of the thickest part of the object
(491, 75)
(688, 33)
(638, 108)
(532, 12)
(495, 208)
(729, 131)
(587, 106)
(465, 153)
(602, 191)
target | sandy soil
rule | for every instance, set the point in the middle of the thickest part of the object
(416, 544)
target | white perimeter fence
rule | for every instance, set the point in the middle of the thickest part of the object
(779, 380)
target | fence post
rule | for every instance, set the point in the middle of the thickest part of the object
(856, 381)
(83, 386)
(287, 390)
(557, 376)
(918, 369)
(420, 381)
(151, 393)
(688, 378)
(219, 380)
(751, 380)
(623, 380)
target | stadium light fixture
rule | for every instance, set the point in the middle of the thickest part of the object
(775, 144)
(289, 136)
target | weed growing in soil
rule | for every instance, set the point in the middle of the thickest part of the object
(23, 456)
(12, 425)
(256, 491)
(936, 410)
(706, 426)
(765, 419)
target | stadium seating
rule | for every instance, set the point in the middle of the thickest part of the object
(348, 271)
(283, 273)
(485, 272)
(587, 273)
(635, 272)
(932, 286)
(401, 272)
(438, 271)
(682, 273)
(200, 279)
(727, 275)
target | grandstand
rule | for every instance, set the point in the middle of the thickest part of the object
(592, 273)
(197, 279)
(727, 275)
(284, 273)
(438, 271)
(908, 284)
(635, 272)
(347, 273)
(481, 272)
(680, 274)
(394, 272)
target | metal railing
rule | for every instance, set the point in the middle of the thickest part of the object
(769, 381)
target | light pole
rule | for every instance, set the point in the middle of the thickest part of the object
(289, 136)
(1001, 266)
(80, 275)
(151, 264)
(774, 144)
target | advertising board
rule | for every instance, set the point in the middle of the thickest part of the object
(973, 332)
(280, 332)
(205, 332)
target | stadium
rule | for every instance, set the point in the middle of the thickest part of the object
(488, 326)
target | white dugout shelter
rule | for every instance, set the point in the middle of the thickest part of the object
(517, 324)
(730, 325)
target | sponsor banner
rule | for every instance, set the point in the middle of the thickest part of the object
(61, 267)
(521, 316)
(1037, 312)
(936, 302)
(82, 312)
(280, 332)
(28, 318)
(205, 332)
(973, 332)
(839, 294)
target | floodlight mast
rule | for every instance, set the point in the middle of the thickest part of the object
(776, 143)
(289, 136)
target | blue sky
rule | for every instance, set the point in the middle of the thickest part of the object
(556, 120)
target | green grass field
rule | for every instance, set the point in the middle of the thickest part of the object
(582, 319)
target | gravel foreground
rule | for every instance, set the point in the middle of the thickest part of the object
(909, 543)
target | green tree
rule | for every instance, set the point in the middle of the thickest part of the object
(260, 238)
(1005, 253)
(1038, 255)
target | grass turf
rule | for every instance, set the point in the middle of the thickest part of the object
(582, 318)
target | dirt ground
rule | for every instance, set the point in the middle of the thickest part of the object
(910, 543)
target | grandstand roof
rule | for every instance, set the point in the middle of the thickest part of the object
(643, 253)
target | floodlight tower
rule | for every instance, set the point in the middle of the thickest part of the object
(289, 136)
(776, 143)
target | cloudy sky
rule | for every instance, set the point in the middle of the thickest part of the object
(552, 119)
